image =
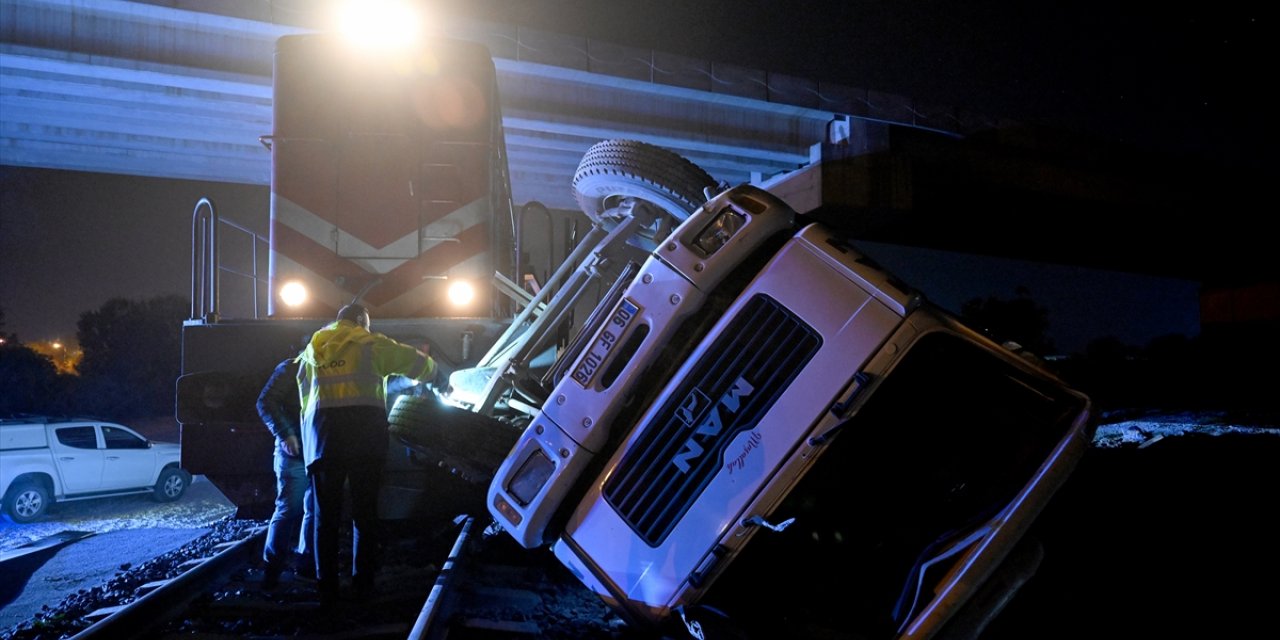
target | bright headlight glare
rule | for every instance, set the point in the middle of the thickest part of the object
(719, 231)
(461, 293)
(379, 24)
(293, 293)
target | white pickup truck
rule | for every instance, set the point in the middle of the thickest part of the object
(46, 459)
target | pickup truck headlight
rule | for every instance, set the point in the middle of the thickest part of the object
(719, 231)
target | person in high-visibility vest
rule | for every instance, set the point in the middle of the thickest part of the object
(342, 386)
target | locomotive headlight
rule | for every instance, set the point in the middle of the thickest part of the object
(293, 293)
(379, 24)
(461, 293)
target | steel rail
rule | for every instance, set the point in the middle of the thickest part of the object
(161, 605)
(435, 609)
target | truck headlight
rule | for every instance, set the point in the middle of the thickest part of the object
(529, 479)
(719, 231)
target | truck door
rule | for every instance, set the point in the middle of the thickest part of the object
(129, 461)
(78, 458)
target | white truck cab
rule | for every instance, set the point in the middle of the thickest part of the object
(763, 401)
(44, 459)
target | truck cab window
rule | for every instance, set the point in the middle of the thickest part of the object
(120, 439)
(78, 437)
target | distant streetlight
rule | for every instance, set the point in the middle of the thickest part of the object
(60, 359)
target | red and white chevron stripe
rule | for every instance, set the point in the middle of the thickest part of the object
(381, 179)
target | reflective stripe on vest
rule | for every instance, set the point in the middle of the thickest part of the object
(340, 386)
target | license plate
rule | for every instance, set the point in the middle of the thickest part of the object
(605, 341)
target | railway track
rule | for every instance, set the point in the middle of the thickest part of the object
(450, 579)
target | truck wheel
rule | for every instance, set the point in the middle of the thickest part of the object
(470, 445)
(27, 502)
(172, 484)
(613, 170)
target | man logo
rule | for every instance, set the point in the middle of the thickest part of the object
(692, 407)
(712, 424)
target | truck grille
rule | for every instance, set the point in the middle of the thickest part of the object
(730, 388)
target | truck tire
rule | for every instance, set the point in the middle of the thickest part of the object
(470, 445)
(171, 484)
(613, 170)
(27, 501)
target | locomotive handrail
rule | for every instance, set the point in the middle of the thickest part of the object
(206, 262)
(204, 252)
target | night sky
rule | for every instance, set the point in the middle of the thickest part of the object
(1186, 79)
(1176, 80)
(70, 241)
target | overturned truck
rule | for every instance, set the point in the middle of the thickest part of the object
(756, 401)
(714, 396)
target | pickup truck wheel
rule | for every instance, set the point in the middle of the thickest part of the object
(171, 484)
(613, 170)
(470, 445)
(26, 502)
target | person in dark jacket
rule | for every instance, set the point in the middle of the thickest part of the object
(292, 526)
(342, 381)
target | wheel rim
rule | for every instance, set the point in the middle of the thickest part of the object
(173, 486)
(612, 171)
(28, 504)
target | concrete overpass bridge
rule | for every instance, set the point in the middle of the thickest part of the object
(169, 89)
(182, 89)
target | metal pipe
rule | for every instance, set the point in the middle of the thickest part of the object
(583, 275)
(254, 257)
(195, 261)
(255, 239)
(211, 262)
(204, 248)
(567, 267)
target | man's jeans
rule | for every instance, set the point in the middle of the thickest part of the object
(292, 525)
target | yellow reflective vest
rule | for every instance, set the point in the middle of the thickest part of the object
(345, 365)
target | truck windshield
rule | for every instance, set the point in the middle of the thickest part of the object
(950, 436)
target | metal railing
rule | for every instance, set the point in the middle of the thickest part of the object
(206, 262)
